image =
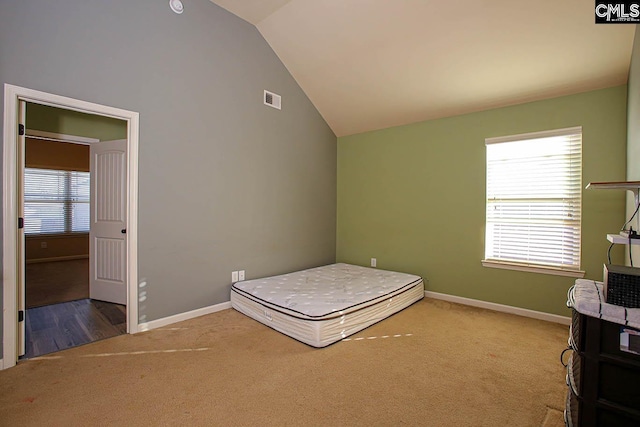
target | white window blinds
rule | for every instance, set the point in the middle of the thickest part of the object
(55, 201)
(534, 190)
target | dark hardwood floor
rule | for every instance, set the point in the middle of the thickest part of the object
(60, 326)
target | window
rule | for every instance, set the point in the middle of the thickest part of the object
(55, 201)
(534, 190)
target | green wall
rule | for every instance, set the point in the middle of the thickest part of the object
(414, 197)
(68, 122)
(633, 123)
(633, 115)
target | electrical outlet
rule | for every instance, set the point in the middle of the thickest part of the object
(234, 276)
(374, 262)
(241, 275)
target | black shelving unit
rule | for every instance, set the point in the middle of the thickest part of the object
(603, 381)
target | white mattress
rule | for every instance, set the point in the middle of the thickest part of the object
(322, 305)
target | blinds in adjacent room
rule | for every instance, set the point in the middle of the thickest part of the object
(56, 201)
(534, 191)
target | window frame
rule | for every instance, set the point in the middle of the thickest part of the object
(67, 202)
(493, 262)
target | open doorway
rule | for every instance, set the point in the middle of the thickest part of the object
(124, 248)
(60, 311)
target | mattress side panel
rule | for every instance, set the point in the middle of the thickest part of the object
(341, 328)
(321, 333)
(300, 329)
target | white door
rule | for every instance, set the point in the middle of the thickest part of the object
(107, 236)
(22, 112)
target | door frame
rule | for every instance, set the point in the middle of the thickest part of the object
(12, 96)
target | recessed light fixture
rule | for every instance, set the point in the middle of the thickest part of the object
(176, 6)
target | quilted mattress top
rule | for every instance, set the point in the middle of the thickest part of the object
(587, 297)
(328, 290)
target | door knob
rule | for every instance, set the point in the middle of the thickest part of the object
(123, 231)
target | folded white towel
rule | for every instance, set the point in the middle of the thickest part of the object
(587, 297)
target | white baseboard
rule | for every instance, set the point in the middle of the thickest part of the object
(159, 323)
(500, 307)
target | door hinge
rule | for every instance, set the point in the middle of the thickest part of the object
(20, 315)
(20, 129)
(20, 222)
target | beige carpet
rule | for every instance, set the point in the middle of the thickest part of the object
(56, 282)
(433, 364)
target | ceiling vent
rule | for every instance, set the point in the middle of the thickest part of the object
(272, 100)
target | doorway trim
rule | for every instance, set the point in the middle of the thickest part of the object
(12, 96)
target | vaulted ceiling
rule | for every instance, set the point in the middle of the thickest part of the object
(372, 64)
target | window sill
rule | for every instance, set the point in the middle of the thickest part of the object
(533, 269)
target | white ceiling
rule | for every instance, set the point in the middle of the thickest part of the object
(372, 64)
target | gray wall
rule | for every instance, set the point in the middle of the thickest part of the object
(225, 182)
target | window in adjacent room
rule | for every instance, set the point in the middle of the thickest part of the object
(56, 201)
(534, 191)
